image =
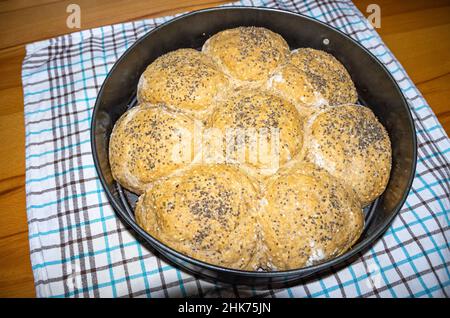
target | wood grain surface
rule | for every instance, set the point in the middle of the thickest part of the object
(418, 33)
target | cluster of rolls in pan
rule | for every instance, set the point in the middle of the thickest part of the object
(251, 156)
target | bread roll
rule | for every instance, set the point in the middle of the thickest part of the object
(307, 218)
(207, 212)
(352, 145)
(268, 130)
(184, 79)
(247, 53)
(149, 142)
(326, 75)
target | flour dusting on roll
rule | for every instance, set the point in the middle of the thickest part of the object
(293, 84)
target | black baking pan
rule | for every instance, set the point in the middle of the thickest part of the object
(376, 89)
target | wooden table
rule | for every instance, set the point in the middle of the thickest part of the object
(418, 33)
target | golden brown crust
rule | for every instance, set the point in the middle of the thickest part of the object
(145, 143)
(351, 144)
(247, 53)
(307, 217)
(326, 74)
(269, 120)
(206, 212)
(185, 79)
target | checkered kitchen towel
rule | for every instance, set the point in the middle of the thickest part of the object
(79, 248)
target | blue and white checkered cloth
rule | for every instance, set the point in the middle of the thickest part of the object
(79, 248)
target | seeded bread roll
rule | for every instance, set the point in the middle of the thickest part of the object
(185, 79)
(352, 145)
(207, 212)
(261, 131)
(307, 217)
(325, 73)
(149, 142)
(247, 53)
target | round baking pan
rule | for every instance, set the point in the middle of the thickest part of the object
(376, 89)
